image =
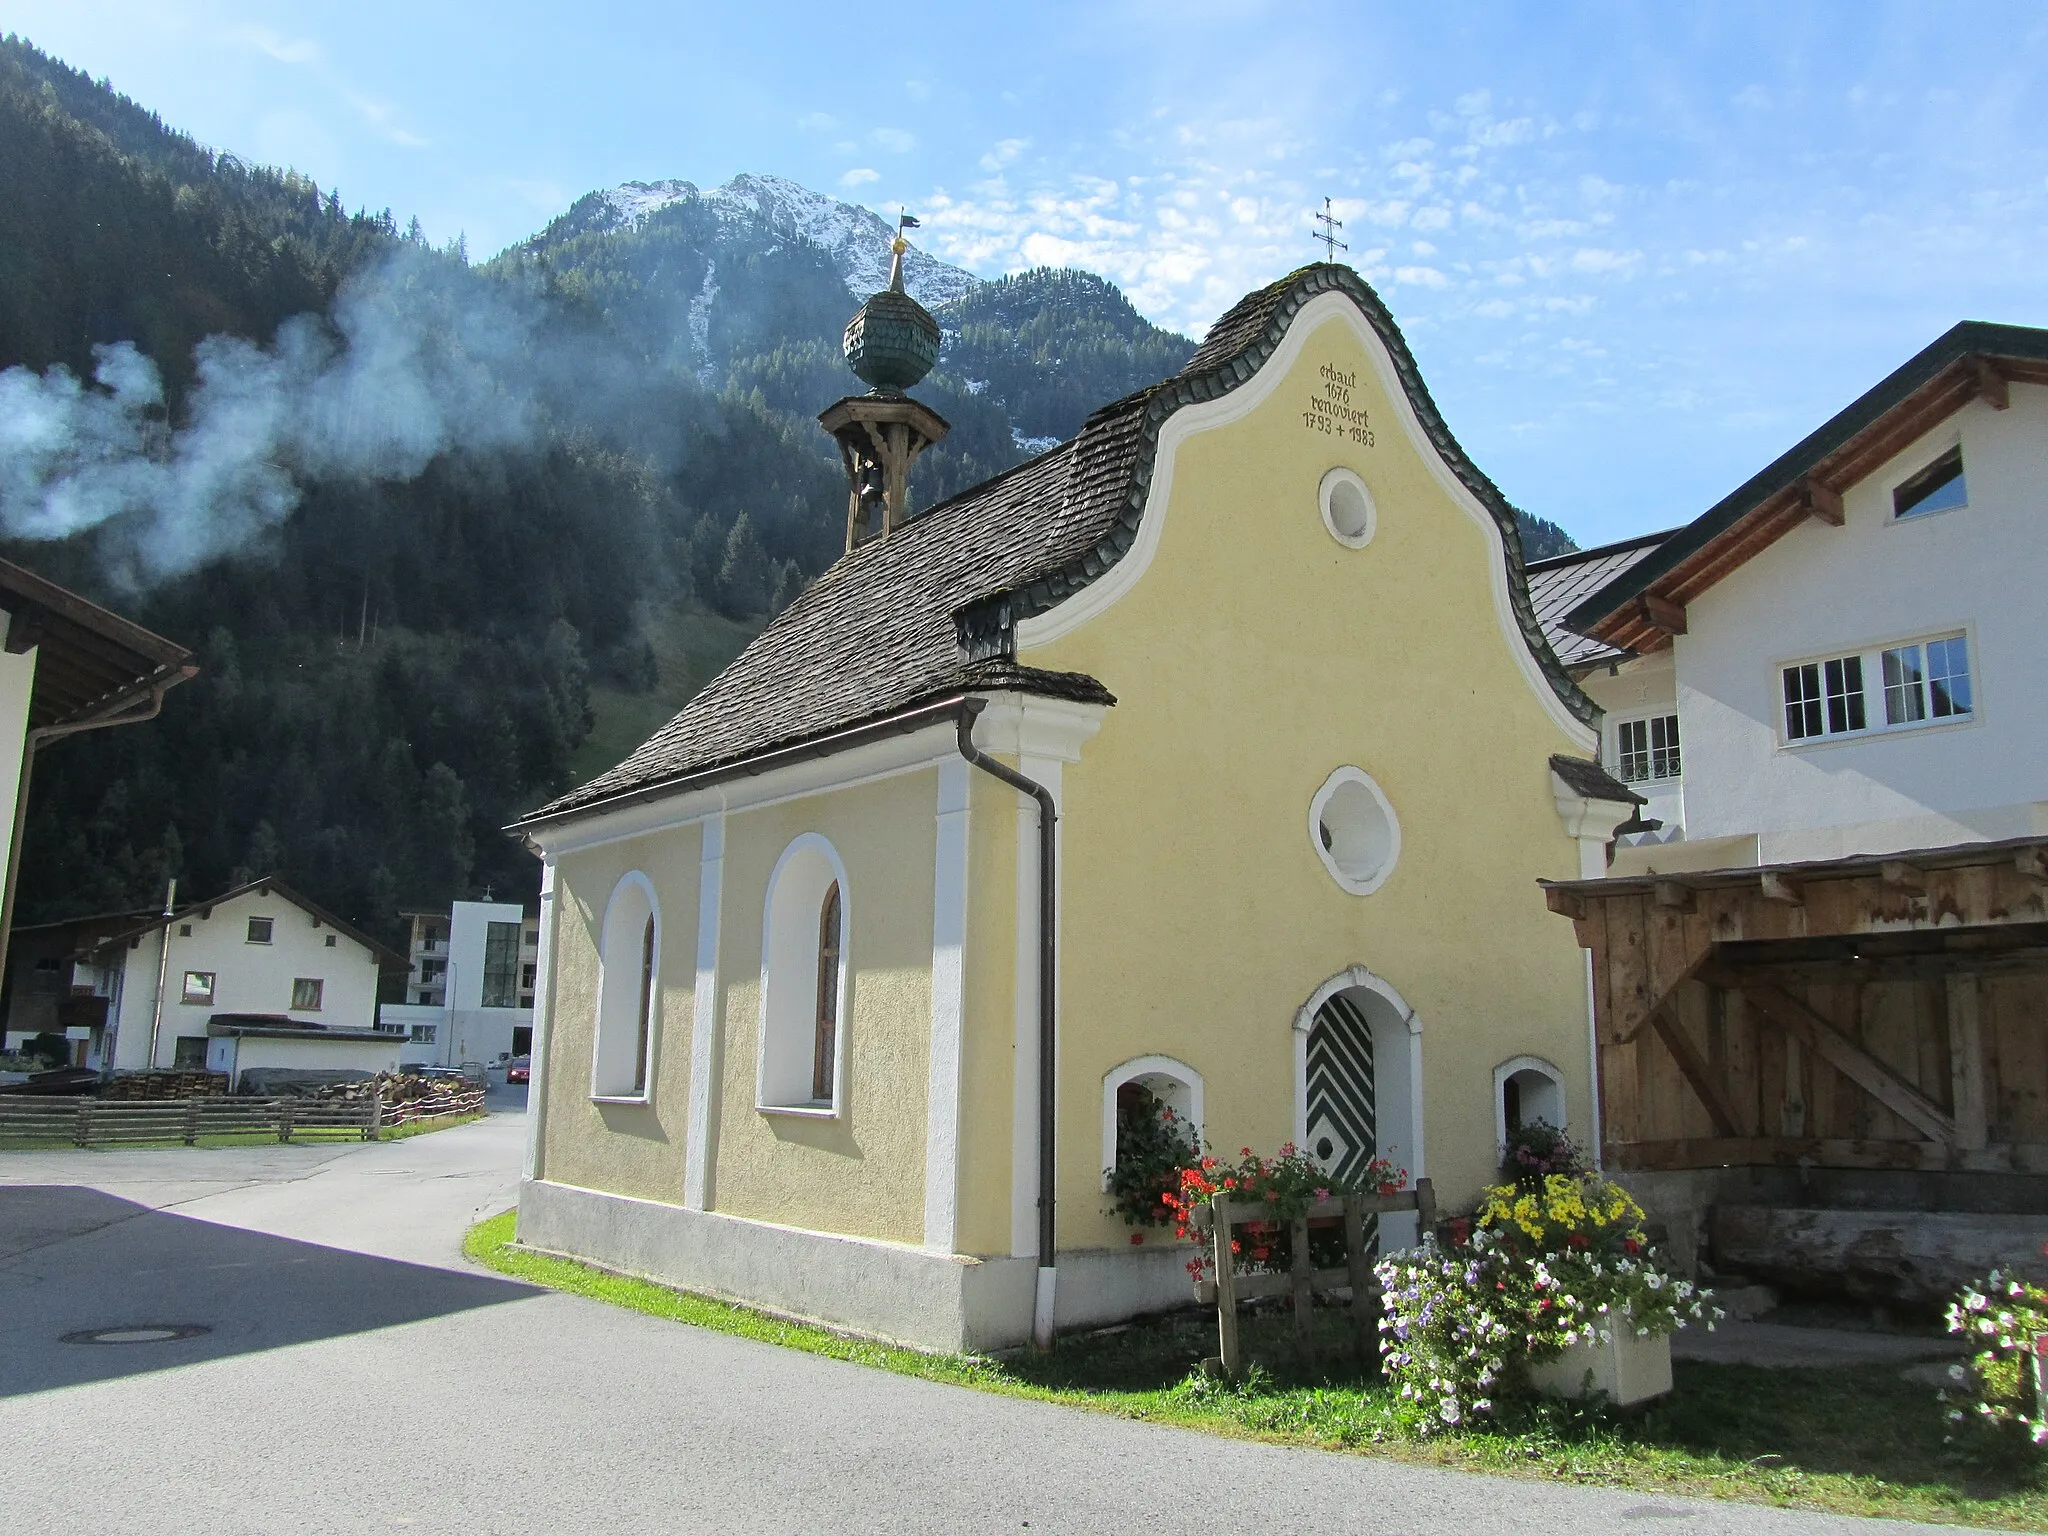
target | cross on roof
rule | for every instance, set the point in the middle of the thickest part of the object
(1328, 233)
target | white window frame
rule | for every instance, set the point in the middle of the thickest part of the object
(1173, 1082)
(1347, 879)
(1645, 718)
(788, 1020)
(620, 961)
(1952, 442)
(1875, 713)
(319, 986)
(212, 989)
(1524, 1067)
(269, 930)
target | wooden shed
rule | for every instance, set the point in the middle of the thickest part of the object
(1875, 1015)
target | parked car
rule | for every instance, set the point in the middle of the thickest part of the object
(517, 1070)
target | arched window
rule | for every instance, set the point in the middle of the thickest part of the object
(825, 1049)
(1526, 1089)
(1146, 1083)
(628, 992)
(804, 980)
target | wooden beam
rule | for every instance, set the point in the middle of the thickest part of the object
(1565, 903)
(1782, 888)
(1699, 1076)
(1660, 613)
(1966, 1060)
(1991, 386)
(2033, 863)
(1663, 1000)
(1905, 876)
(1823, 503)
(1844, 1055)
(1672, 896)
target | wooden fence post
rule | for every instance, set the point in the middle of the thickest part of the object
(284, 1122)
(1364, 1315)
(83, 1135)
(1226, 1292)
(192, 1122)
(376, 1125)
(1425, 1209)
(1304, 1291)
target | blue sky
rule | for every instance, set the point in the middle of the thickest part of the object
(1638, 249)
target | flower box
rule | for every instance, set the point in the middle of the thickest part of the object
(1626, 1370)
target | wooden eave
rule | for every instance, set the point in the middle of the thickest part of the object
(90, 663)
(1974, 360)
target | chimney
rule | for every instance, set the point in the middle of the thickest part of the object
(891, 343)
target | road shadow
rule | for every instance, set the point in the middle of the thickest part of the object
(76, 1260)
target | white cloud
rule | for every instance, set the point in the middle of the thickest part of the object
(859, 176)
(818, 122)
(1004, 152)
(286, 50)
(897, 141)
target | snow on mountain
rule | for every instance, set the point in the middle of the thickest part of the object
(857, 239)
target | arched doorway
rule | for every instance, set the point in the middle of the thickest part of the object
(1358, 1082)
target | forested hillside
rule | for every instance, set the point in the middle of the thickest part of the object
(444, 538)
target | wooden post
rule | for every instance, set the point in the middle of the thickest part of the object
(83, 1135)
(191, 1122)
(376, 1126)
(284, 1122)
(1966, 1061)
(1304, 1293)
(1364, 1315)
(1425, 1209)
(1226, 1293)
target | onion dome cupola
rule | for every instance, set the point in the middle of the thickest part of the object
(891, 343)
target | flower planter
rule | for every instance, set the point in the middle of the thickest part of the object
(1627, 1370)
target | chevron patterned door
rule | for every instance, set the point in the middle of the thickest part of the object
(1342, 1122)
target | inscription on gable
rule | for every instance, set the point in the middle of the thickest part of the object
(1330, 412)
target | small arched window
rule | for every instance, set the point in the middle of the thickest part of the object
(804, 980)
(628, 991)
(1526, 1089)
(1146, 1085)
(825, 1048)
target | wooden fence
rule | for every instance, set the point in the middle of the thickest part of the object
(1224, 1218)
(90, 1122)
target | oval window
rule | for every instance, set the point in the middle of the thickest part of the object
(1354, 831)
(1348, 510)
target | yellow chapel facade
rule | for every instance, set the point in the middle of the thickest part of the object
(1260, 639)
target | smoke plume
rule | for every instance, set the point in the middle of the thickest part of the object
(420, 357)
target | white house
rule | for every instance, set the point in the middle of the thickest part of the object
(257, 977)
(468, 995)
(1844, 656)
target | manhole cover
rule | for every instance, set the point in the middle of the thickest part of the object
(138, 1333)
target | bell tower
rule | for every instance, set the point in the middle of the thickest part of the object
(891, 342)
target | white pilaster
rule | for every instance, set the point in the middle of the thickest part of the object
(543, 1027)
(704, 1016)
(949, 935)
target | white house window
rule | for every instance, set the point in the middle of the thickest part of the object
(1647, 750)
(1923, 682)
(1526, 1089)
(629, 950)
(1937, 488)
(199, 987)
(804, 981)
(330, 941)
(259, 929)
(501, 965)
(306, 994)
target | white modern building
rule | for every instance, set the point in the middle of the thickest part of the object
(469, 990)
(256, 977)
(1844, 656)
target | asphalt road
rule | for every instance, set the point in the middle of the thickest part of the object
(358, 1375)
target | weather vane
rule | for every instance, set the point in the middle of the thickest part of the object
(1328, 233)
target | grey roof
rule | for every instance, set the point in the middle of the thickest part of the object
(1556, 585)
(932, 609)
(1594, 782)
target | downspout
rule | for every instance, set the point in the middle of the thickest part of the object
(1048, 818)
(163, 976)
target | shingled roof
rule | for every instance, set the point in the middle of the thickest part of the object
(1558, 584)
(931, 610)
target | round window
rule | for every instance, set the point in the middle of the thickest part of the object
(1354, 831)
(1348, 510)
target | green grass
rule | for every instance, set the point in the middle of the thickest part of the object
(301, 1136)
(1854, 1442)
(689, 650)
